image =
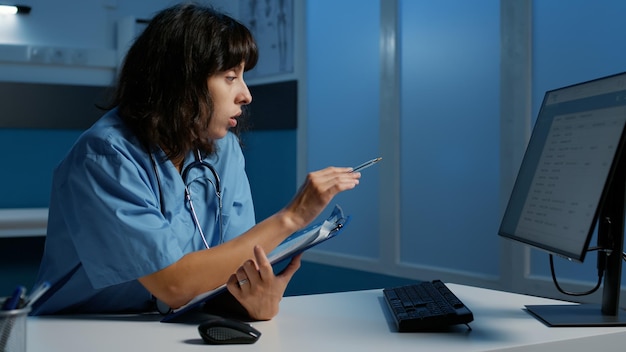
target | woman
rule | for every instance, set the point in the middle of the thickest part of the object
(153, 199)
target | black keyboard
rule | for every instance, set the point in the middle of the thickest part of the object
(428, 305)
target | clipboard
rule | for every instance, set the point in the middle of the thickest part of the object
(296, 243)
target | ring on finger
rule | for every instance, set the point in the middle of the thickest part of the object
(242, 282)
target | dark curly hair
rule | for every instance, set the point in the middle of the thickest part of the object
(162, 92)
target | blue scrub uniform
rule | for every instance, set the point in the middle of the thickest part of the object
(107, 225)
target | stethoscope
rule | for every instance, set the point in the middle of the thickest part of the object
(198, 162)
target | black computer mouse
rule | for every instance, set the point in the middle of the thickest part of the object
(221, 331)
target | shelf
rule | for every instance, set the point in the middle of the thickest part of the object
(23, 222)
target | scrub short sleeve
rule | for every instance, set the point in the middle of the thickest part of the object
(113, 216)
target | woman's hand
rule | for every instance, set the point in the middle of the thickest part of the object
(256, 287)
(318, 190)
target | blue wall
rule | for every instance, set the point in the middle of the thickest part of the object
(450, 72)
(271, 167)
(27, 160)
(343, 110)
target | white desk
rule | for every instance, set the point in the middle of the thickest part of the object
(349, 321)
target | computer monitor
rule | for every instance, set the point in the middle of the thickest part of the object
(573, 177)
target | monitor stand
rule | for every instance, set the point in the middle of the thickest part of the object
(610, 237)
(571, 315)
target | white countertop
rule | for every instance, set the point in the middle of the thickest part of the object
(23, 222)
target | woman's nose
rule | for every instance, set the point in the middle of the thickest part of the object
(246, 97)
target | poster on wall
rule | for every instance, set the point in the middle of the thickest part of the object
(271, 23)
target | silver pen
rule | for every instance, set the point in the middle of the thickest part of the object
(366, 164)
(36, 294)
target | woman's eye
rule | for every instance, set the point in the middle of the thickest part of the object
(231, 78)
